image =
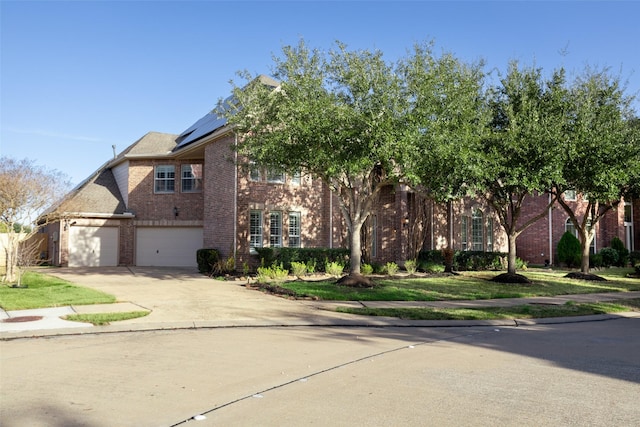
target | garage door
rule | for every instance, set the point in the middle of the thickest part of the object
(93, 246)
(168, 246)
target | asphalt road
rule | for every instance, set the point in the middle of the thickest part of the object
(546, 375)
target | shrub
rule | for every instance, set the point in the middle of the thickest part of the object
(274, 273)
(609, 257)
(521, 264)
(312, 257)
(478, 260)
(411, 266)
(634, 258)
(569, 250)
(623, 253)
(207, 259)
(333, 268)
(298, 269)
(595, 261)
(391, 268)
(224, 266)
(366, 269)
(433, 268)
(434, 257)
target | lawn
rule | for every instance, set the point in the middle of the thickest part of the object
(524, 311)
(48, 291)
(465, 286)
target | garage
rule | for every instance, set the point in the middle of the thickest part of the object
(168, 246)
(93, 246)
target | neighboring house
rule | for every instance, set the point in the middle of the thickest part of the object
(166, 196)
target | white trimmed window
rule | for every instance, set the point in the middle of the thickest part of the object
(570, 195)
(275, 177)
(476, 230)
(165, 179)
(254, 172)
(296, 178)
(191, 178)
(568, 226)
(294, 229)
(275, 229)
(489, 234)
(255, 229)
(464, 227)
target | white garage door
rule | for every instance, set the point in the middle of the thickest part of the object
(93, 246)
(168, 246)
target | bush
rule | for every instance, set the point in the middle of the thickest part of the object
(595, 261)
(207, 259)
(609, 257)
(298, 269)
(521, 264)
(433, 268)
(434, 257)
(312, 257)
(478, 260)
(411, 266)
(366, 269)
(391, 268)
(274, 273)
(333, 268)
(623, 253)
(569, 250)
(634, 258)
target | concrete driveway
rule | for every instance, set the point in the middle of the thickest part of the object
(183, 298)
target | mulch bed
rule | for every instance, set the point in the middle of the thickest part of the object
(585, 276)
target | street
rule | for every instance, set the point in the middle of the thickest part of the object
(563, 374)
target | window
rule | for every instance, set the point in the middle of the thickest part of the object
(165, 179)
(463, 233)
(191, 178)
(294, 229)
(275, 176)
(296, 178)
(275, 229)
(476, 230)
(570, 195)
(627, 213)
(489, 234)
(255, 229)
(568, 226)
(254, 172)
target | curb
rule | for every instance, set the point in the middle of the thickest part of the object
(364, 323)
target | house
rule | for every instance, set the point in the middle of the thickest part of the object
(166, 196)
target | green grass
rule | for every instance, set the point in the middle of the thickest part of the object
(466, 286)
(525, 311)
(48, 291)
(100, 319)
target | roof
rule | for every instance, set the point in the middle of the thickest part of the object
(213, 120)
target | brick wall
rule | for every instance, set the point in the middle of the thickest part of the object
(148, 205)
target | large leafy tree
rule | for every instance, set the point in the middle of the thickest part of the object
(520, 156)
(26, 190)
(444, 126)
(334, 115)
(601, 154)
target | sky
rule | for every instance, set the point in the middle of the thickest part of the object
(78, 77)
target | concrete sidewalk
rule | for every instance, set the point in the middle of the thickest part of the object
(180, 299)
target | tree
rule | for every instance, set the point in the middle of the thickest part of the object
(445, 124)
(520, 157)
(601, 153)
(26, 190)
(332, 115)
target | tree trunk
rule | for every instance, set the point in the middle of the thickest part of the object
(356, 248)
(511, 258)
(448, 259)
(586, 246)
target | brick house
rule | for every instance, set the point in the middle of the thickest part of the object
(166, 196)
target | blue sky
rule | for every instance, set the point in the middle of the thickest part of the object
(78, 77)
